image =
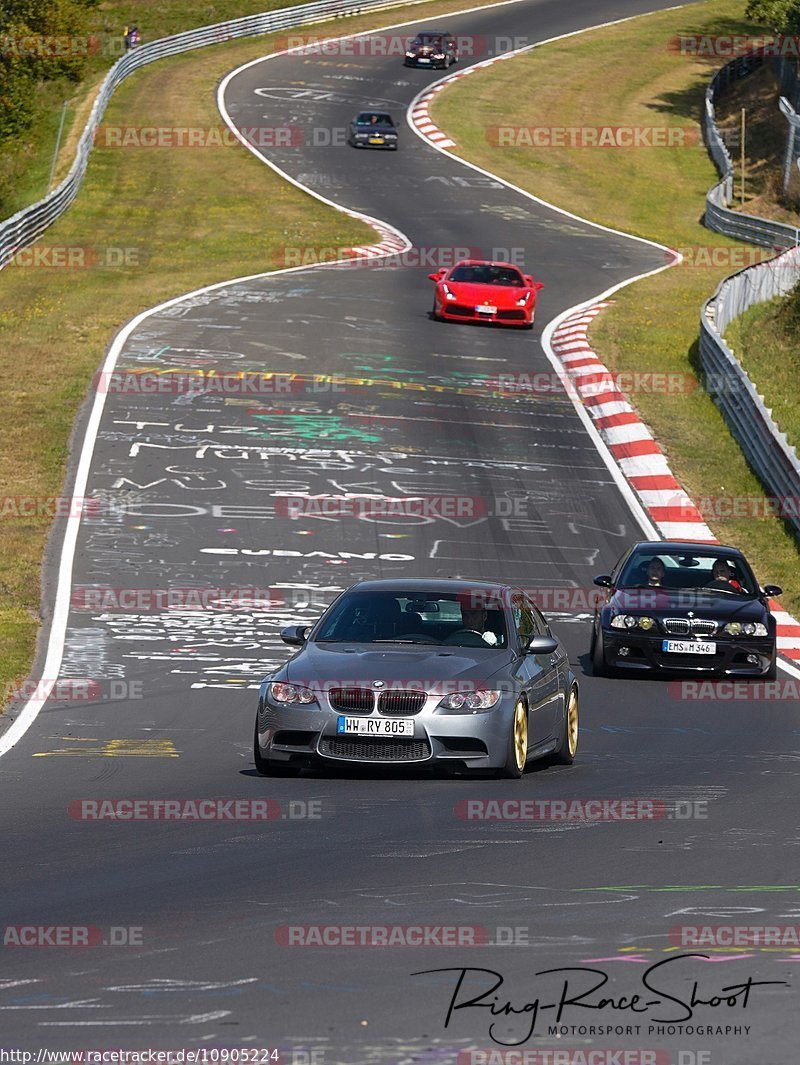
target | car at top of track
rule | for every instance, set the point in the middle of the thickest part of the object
(683, 606)
(477, 290)
(418, 672)
(373, 129)
(432, 48)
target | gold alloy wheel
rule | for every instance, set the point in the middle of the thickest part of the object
(572, 722)
(520, 735)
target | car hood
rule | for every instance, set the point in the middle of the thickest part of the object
(707, 604)
(367, 127)
(360, 664)
(495, 295)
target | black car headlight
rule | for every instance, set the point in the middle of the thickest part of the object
(291, 693)
(478, 702)
(632, 621)
(746, 628)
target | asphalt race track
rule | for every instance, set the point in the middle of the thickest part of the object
(193, 488)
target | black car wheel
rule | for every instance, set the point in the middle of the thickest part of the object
(517, 750)
(599, 665)
(565, 755)
(265, 768)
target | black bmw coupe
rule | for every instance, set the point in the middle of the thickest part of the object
(684, 607)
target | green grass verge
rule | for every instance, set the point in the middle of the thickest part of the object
(619, 76)
(191, 217)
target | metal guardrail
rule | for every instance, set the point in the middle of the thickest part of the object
(28, 224)
(766, 448)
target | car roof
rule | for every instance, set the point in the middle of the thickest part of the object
(673, 547)
(432, 584)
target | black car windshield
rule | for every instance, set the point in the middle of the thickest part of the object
(488, 275)
(402, 617)
(688, 571)
(429, 39)
(374, 118)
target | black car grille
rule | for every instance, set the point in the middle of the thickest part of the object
(684, 626)
(511, 316)
(401, 702)
(370, 749)
(352, 700)
(457, 308)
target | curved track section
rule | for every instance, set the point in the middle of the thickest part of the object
(200, 491)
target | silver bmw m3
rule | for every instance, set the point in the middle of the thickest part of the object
(418, 672)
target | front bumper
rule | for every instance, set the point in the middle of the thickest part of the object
(449, 311)
(309, 734)
(365, 143)
(627, 650)
(425, 62)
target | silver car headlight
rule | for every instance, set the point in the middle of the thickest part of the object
(632, 621)
(410, 55)
(291, 693)
(523, 300)
(470, 702)
(746, 628)
(448, 294)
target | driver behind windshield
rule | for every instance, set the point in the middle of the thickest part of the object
(474, 620)
(723, 577)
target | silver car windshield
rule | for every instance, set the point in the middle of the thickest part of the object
(397, 617)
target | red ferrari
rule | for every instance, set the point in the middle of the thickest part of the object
(478, 291)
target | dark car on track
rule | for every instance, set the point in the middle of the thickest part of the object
(461, 673)
(675, 606)
(373, 129)
(432, 48)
